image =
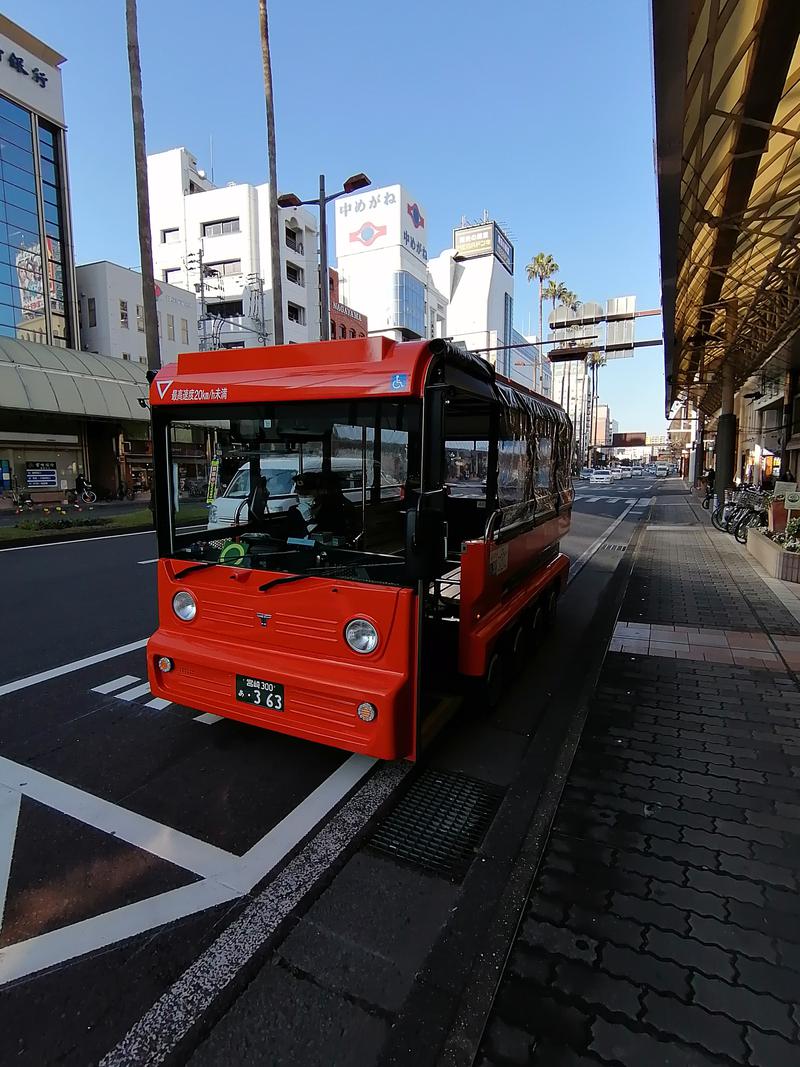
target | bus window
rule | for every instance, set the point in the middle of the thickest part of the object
(309, 473)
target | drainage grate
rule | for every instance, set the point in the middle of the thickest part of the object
(615, 548)
(440, 823)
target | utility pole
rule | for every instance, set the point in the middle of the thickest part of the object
(152, 343)
(324, 287)
(195, 260)
(274, 222)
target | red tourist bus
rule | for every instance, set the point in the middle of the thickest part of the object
(382, 535)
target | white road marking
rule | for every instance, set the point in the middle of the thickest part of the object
(136, 691)
(10, 801)
(158, 703)
(584, 558)
(57, 946)
(208, 718)
(290, 831)
(117, 683)
(159, 840)
(226, 876)
(151, 1040)
(68, 668)
(77, 541)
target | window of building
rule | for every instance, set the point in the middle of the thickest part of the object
(169, 237)
(91, 307)
(352, 333)
(170, 327)
(409, 302)
(126, 356)
(226, 267)
(123, 314)
(220, 226)
(508, 328)
(342, 331)
(294, 239)
(140, 318)
(184, 331)
(295, 274)
(296, 313)
(232, 344)
(226, 309)
(333, 328)
(172, 276)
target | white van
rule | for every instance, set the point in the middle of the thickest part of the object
(280, 472)
(662, 470)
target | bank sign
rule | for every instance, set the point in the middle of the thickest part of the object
(28, 79)
(486, 239)
(381, 218)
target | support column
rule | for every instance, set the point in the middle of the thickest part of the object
(726, 436)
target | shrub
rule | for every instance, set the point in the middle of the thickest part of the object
(59, 524)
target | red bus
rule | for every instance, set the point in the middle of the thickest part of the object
(380, 535)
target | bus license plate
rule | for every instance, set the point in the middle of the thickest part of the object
(263, 694)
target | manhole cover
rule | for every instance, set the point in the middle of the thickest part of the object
(440, 823)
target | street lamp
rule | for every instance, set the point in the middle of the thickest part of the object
(352, 185)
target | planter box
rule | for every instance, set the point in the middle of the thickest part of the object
(777, 516)
(776, 561)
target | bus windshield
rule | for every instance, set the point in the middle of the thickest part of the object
(303, 488)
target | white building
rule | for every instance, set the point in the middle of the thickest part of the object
(476, 277)
(112, 314)
(215, 241)
(382, 258)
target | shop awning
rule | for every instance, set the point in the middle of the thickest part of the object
(44, 378)
(727, 91)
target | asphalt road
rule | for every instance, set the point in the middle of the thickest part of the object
(143, 831)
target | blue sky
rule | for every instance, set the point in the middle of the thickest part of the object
(539, 112)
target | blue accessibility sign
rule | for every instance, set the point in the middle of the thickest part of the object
(399, 382)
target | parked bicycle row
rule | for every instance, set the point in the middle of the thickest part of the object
(738, 511)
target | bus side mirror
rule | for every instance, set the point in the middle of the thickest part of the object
(426, 543)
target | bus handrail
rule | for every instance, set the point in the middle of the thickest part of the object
(489, 531)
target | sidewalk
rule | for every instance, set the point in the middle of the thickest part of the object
(664, 925)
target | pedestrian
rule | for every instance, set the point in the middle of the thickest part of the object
(80, 485)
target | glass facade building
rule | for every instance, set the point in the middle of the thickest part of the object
(34, 258)
(409, 303)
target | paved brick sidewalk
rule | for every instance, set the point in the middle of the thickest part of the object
(664, 927)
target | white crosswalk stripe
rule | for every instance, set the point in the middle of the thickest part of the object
(136, 691)
(159, 703)
(117, 683)
(208, 718)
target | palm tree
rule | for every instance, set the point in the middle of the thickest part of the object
(596, 360)
(152, 344)
(275, 242)
(541, 267)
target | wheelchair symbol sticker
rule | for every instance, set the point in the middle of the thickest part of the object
(399, 381)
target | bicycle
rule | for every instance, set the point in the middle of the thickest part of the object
(87, 495)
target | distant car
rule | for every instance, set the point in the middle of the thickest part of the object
(636, 472)
(662, 470)
(601, 478)
(626, 472)
(616, 474)
(586, 473)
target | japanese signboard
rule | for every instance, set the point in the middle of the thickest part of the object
(486, 239)
(27, 78)
(41, 475)
(381, 218)
(213, 482)
(628, 440)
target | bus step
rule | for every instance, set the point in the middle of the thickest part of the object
(439, 824)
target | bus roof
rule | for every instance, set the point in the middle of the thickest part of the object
(318, 370)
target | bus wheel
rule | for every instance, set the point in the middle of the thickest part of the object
(491, 688)
(520, 646)
(551, 608)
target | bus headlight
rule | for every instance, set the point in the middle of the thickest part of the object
(184, 605)
(361, 636)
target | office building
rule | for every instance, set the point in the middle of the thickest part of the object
(382, 259)
(36, 268)
(215, 242)
(111, 314)
(345, 321)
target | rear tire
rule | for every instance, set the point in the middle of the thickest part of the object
(716, 518)
(491, 686)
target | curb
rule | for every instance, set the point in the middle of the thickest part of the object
(76, 534)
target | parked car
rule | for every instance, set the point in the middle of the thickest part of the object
(601, 477)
